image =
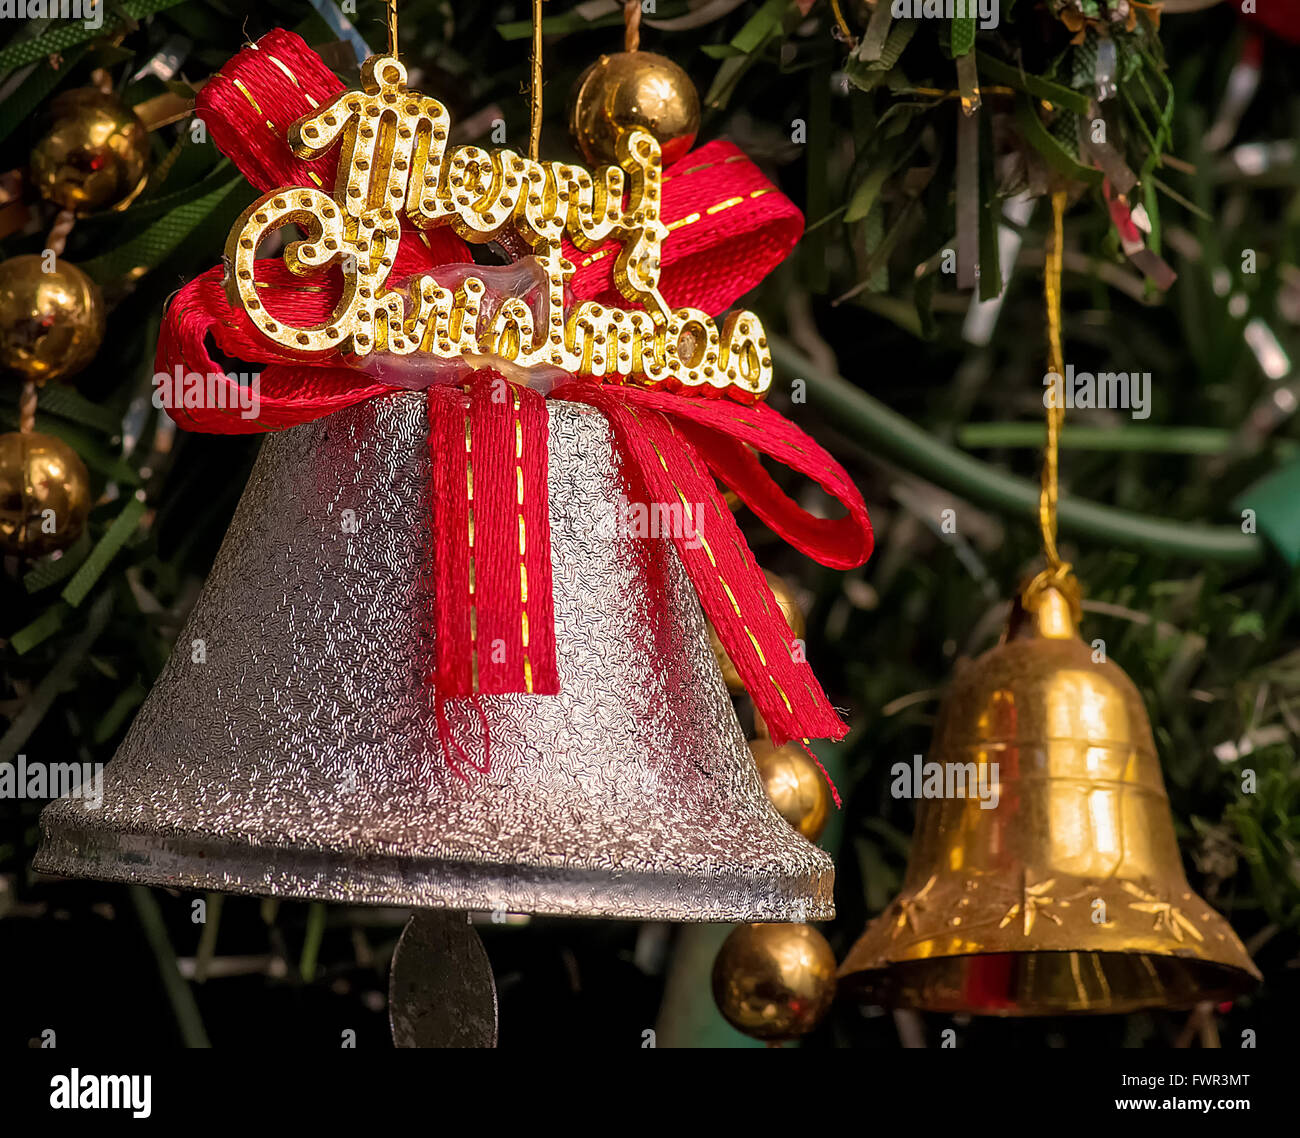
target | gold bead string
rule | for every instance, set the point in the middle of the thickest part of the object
(631, 25)
(55, 242)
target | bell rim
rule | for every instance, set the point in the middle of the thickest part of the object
(881, 946)
(213, 864)
(894, 983)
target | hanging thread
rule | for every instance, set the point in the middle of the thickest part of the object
(1056, 365)
(1058, 573)
(27, 408)
(843, 25)
(631, 25)
(58, 238)
(390, 13)
(535, 94)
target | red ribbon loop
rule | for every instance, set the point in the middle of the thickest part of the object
(495, 626)
(654, 433)
(728, 228)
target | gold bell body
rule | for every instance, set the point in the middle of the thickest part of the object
(1069, 894)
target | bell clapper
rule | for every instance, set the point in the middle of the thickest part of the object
(441, 992)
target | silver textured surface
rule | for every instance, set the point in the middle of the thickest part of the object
(302, 758)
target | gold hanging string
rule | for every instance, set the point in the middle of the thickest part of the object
(1058, 572)
(391, 13)
(1055, 364)
(55, 243)
(27, 408)
(631, 25)
(535, 94)
(843, 24)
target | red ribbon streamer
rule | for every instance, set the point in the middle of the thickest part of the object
(728, 227)
(493, 568)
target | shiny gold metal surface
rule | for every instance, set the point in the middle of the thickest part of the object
(634, 90)
(1069, 895)
(51, 324)
(783, 594)
(774, 982)
(44, 494)
(95, 156)
(795, 785)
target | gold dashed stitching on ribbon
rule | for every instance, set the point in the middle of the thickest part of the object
(523, 568)
(292, 79)
(660, 456)
(689, 219)
(473, 609)
(758, 648)
(239, 84)
(784, 698)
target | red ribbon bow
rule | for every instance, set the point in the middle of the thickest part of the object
(728, 228)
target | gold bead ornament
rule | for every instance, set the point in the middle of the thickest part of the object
(44, 494)
(94, 157)
(774, 982)
(632, 90)
(796, 787)
(51, 324)
(784, 597)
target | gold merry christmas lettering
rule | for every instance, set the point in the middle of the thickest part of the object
(395, 161)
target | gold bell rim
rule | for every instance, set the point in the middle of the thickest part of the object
(1038, 983)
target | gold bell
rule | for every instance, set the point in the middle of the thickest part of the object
(1068, 894)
